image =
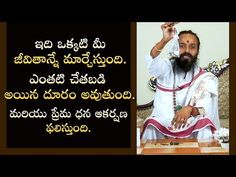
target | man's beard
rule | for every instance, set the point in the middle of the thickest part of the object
(186, 61)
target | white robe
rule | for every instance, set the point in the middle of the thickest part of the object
(201, 92)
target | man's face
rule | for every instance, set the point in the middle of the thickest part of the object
(188, 44)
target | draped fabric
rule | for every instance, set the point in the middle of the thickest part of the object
(197, 88)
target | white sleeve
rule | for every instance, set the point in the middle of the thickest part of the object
(207, 93)
(209, 102)
(205, 101)
(158, 67)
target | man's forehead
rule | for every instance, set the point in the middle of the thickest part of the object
(188, 38)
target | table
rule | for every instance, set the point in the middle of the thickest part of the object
(181, 146)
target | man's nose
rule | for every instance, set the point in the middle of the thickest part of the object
(187, 49)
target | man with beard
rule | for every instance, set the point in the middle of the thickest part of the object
(186, 99)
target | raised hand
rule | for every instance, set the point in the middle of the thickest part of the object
(168, 30)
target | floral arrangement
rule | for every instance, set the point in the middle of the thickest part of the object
(217, 67)
(222, 135)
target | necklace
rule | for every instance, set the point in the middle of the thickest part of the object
(178, 107)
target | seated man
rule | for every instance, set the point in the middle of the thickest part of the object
(186, 99)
